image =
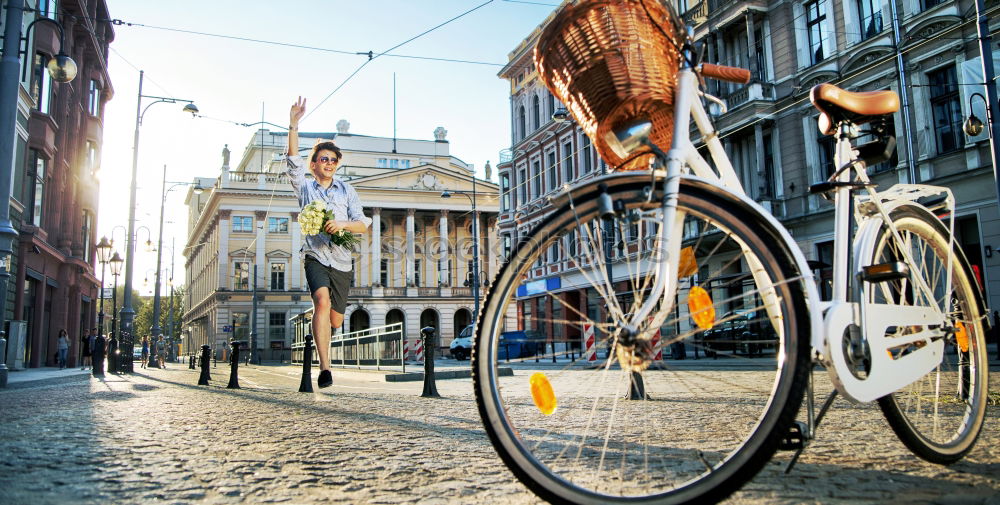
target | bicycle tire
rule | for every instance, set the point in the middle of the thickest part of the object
(928, 416)
(719, 437)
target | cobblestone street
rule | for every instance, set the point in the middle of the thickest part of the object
(156, 437)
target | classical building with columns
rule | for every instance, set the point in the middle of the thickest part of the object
(414, 266)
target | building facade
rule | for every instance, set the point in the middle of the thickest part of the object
(247, 224)
(930, 56)
(55, 191)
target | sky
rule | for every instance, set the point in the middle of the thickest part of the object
(241, 81)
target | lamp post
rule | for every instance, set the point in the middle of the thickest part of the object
(159, 245)
(128, 313)
(475, 248)
(61, 69)
(116, 270)
(103, 253)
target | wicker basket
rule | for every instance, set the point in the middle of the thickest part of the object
(611, 62)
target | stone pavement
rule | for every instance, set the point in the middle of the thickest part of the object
(156, 437)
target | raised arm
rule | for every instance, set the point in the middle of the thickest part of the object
(294, 115)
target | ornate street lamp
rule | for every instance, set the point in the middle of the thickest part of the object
(116, 270)
(103, 255)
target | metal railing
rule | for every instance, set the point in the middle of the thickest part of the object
(379, 346)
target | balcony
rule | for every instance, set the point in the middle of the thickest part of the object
(360, 292)
(749, 93)
(253, 180)
(697, 14)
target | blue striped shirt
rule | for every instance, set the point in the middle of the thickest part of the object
(341, 198)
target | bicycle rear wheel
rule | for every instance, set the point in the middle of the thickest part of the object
(939, 416)
(699, 429)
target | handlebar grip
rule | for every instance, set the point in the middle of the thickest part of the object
(724, 73)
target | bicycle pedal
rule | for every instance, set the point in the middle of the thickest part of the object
(885, 272)
(795, 438)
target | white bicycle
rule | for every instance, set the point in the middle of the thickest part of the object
(678, 254)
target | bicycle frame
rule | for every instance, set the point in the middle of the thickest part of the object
(827, 319)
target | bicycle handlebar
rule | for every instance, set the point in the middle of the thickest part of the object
(724, 73)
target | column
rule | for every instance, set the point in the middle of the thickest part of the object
(263, 269)
(376, 248)
(224, 248)
(443, 249)
(410, 250)
(757, 178)
(478, 249)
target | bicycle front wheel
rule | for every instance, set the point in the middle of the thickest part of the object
(939, 416)
(693, 431)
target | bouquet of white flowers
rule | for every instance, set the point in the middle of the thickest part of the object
(313, 220)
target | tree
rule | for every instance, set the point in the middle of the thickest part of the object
(144, 314)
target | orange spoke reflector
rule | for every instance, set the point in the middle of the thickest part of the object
(542, 394)
(687, 265)
(962, 337)
(701, 307)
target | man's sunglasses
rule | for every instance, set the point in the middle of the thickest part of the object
(327, 159)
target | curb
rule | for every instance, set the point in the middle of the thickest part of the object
(448, 374)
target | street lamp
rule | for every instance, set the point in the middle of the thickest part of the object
(64, 71)
(116, 270)
(475, 247)
(198, 189)
(103, 253)
(128, 313)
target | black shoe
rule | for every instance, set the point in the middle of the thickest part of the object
(325, 379)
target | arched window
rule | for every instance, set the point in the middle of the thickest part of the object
(535, 112)
(522, 130)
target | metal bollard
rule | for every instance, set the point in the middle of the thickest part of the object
(98, 356)
(3, 357)
(307, 356)
(206, 357)
(191, 361)
(234, 360)
(636, 388)
(113, 355)
(430, 388)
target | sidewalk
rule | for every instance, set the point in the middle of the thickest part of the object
(31, 376)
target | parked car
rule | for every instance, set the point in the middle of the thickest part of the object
(461, 346)
(517, 344)
(741, 333)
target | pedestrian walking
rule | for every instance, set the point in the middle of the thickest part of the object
(145, 350)
(85, 351)
(161, 350)
(62, 348)
(328, 266)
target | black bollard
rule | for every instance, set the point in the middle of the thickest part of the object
(98, 356)
(206, 357)
(307, 356)
(234, 360)
(430, 388)
(191, 362)
(636, 388)
(113, 355)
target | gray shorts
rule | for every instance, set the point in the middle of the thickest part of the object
(319, 275)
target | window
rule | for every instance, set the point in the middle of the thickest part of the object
(87, 229)
(241, 326)
(824, 254)
(277, 225)
(243, 224)
(48, 8)
(41, 85)
(571, 244)
(946, 109)
(890, 125)
(554, 253)
(94, 99)
(504, 192)
(522, 128)
(506, 247)
(536, 179)
(522, 187)
(277, 276)
(535, 113)
(553, 170)
(383, 277)
(91, 158)
(767, 178)
(826, 149)
(36, 202)
(276, 325)
(552, 105)
(759, 54)
(241, 275)
(927, 4)
(816, 30)
(417, 268)
(567, 162)
(588, 155)
(870, 13)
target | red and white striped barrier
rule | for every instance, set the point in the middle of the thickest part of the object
(588, 337)
(418, 351)
(656, 343)
(406, 349)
